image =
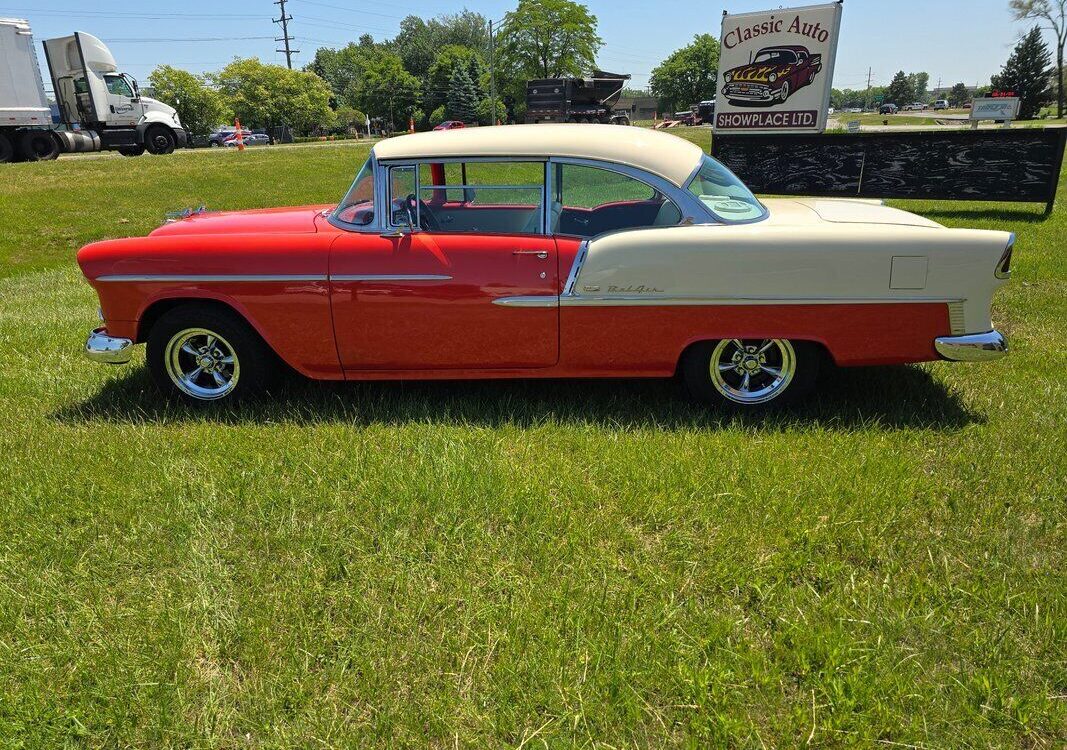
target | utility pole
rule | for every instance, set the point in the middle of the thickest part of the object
(284, 21)
(867, 96)
(492, 73)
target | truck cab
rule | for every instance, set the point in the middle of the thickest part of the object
(94, 94)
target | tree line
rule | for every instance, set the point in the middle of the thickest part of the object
(439, 69)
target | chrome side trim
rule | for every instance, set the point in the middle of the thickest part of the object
(529, 301)
(212, 277)
(390, 277)
(974, 347)
(651, 301)
(576, 267)
(108, 350)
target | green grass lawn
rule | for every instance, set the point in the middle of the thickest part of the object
(595, 564)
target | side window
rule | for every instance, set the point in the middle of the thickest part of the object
(504, 197)
(117, 85)
(401, 195)
(588, 201)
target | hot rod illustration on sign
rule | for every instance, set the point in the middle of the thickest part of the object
(775, 69)
(773, 75)
(557, 251)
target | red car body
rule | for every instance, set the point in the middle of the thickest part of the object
(451, 125)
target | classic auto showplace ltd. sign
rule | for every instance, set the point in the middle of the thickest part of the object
(775, 69)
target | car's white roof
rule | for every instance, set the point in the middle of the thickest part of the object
(662, 154)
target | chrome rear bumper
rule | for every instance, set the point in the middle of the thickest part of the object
(973, 347)
(107, 349)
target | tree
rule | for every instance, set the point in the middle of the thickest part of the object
(462, 97)
(688, 75)
(386, 90)
(200, 108)
(264, 95)
(548, 39)
(450, 58)
(919, 82)
(419, 41)
(1054, 14)
(899, 91)
(959, 95)
(485, 111)
(1027, 73)
(350, 120)
(342, 68)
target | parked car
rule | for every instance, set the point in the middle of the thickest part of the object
(451, 125)
(774, 74)
(887, 109)
(914, 107)
(563, 251)
(941, 104)
(252, 139)
(220, 136)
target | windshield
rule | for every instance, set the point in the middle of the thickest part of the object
(776, 57)
(724, 195)
(358, 204)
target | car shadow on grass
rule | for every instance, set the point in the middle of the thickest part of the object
(883, 397)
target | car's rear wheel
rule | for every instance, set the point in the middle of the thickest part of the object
(202, 353)
(751, 373)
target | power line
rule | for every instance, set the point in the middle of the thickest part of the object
(284, 21)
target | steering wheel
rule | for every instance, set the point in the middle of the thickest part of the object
(427, 220)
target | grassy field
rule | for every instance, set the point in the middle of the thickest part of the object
(515, 564)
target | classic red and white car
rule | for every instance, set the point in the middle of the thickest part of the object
(546, 251)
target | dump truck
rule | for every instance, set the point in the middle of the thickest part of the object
(576, 99)
(98, 106)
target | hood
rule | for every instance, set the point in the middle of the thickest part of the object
(296, 220)
(757, 72)
(157, 106)
(807, 211)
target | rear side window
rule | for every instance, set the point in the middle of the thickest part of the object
(589, 201)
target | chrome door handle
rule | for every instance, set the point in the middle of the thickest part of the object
(542, 254)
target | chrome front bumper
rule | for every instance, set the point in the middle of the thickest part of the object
(107, 349)
(973, 347)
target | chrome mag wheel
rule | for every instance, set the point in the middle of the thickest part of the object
(752, 371)
(201, 364)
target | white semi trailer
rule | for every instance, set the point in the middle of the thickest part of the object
(99, 106)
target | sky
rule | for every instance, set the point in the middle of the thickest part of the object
(952, 40)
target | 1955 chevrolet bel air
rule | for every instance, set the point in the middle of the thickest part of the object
(546, 251)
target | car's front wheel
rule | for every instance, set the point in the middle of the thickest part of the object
(751, 373)
(203, 353)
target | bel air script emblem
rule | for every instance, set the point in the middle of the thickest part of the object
(641, 289)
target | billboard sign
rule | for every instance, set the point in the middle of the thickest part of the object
(995, 108)
(775, 69)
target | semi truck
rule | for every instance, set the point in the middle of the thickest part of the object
(576, 99)
(98, 106)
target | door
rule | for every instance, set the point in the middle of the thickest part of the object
(435, 298)
(123, 109)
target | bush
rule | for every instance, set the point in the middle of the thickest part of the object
(437, 116)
